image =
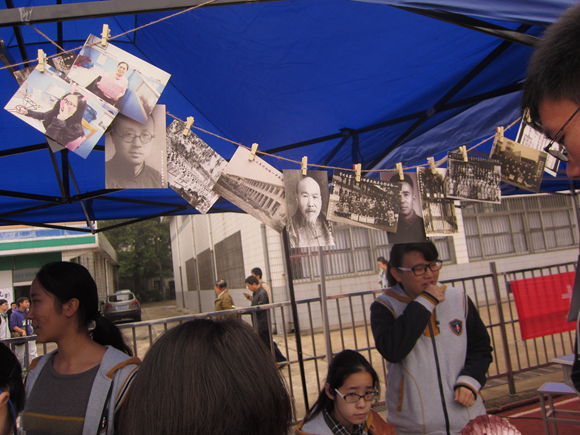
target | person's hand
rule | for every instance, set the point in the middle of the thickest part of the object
(436, 292)
(247, 295)
(21, 110)
(464, 396)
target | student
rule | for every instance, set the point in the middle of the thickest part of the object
(4, 320)
(206, 377)
(81, 385)
(344, 404)
(11, 390)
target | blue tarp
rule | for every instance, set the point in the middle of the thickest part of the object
(281, 73)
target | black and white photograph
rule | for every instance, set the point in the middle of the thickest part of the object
(62, 63)
(135, 153)
(256, 187)
(130, 84)
(307, 197)
(410, 225)
(369, 203)
(438, 212)
(478, 179)
(531, 137)
(193, 167)
(521, 165)
(62, 110)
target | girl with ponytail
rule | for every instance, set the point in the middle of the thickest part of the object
(81, 385)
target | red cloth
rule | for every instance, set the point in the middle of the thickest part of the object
(543, 304)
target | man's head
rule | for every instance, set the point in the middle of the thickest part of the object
(552, 86)
(23, 303)
(257, 272)
(13, 306)
(3, 306)
(382, 262)
(406, 197)
(122, 68)
(252, 283)
(220, 286)
(133, 140)
(309, 198)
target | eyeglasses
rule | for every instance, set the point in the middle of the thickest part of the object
(422, 268)
(129, 136)
(69, 103)
(560, 154)
(354, 398)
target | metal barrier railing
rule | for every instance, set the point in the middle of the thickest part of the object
(351, 330)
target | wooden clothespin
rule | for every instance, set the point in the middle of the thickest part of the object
(463, 153)
(399, 167)
(41, 60)
(253, 152)
(431, 161)
(526, 116)
(499, 134)
(304, 165)
(357, 169)
(105, 35)
(188, 125)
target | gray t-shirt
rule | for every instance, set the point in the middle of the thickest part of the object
(57, 404)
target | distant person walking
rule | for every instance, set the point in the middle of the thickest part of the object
(224, 300)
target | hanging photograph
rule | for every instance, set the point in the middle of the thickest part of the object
(521, 165)
(135, 153)
(307, 198)
(410, 225)
(62, 110)
(193, 167)
(531, 137)
(369, 203)
(478, 179)
(256, 187)
(130, 84)
(438, 212)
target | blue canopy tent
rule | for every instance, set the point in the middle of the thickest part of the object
(341, 81)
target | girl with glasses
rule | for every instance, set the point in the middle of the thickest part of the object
(344, 404)
(11, 391)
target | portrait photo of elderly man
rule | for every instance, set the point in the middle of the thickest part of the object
(307, 201)
(139, 159)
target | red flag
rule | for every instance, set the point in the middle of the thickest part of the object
(543, 304)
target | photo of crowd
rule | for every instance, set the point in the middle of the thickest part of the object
(438, 211)
(478, 179)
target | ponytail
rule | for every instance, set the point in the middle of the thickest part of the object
(106, 333)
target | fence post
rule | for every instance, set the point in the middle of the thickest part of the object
(506, 350)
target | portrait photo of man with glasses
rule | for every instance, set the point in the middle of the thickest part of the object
(139, 160)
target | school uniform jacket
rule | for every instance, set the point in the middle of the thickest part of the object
(400, 329)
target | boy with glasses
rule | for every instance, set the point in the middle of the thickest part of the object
(436, 346)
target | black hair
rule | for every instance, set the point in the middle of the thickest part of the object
(74, 119)
(11, 381)
(126, 64)
(398, 252)
(382, 260)
(252, 280)
(257, 271)
(341, 367)
(228, 383)
(554, 69)
(221, 283)
(406, 179)
(66, 281)
(3, 301)
(21, 300)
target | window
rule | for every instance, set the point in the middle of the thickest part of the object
(230, 261)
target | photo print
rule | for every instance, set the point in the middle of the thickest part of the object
(438, 211)
(531, 137)
(369, 203)
(62, 110)
(62, 63)
(256, 187)
(410, 225)
(521, 165)
(193, 167)
(307, 198)
(478, 179)
(135, 153)
(130, 84)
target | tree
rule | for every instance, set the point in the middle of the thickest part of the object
(144, 252)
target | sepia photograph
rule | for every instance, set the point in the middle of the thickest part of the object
(130, 84)
(531, 137)
(135, 153)
(369, 203)
(256, 187)
(521, 165)
(65, 112)
(193, 167)
(410, 225)
(307, 200)
(478, 179)
(438, 211)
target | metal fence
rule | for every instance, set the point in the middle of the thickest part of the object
(307, 351)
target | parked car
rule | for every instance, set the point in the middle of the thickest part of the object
(122, 305)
